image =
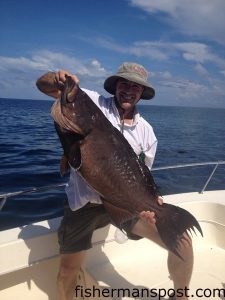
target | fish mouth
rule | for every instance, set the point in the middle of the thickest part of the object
(60, 116)
(63, 111)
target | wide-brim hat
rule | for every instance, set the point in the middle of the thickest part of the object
(132, 72)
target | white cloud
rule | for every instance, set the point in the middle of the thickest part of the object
(161, 75)
(46, 60)
(19, 74)
(163, 51)
(202, 18)
(92, 68)
(184, 88)
(41, 61)
(198, 52)
(201, 70)
(20, 63)
(96, 64)
(178, 90)
(151, 50)
(155, 6)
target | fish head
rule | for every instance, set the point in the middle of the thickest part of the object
(77, 107)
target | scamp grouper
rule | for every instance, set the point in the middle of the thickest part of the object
(107, 162)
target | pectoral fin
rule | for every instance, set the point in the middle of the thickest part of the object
(75, 156)
(64, 165)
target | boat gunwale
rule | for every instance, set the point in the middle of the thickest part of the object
(5, 196)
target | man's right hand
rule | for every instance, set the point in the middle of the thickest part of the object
(52, 83)
(60, 78)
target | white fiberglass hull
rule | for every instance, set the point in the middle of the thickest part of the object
(29, 258)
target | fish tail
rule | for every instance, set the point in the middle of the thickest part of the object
(172, 223)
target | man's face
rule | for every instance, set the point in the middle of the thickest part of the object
(128, 93)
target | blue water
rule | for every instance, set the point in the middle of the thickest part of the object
(30, 152)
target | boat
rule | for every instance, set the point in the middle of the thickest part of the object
(117, 268)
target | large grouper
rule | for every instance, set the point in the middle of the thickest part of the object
(106, 161)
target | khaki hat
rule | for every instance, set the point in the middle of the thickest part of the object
(132, 72)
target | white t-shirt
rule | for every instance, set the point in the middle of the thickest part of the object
(140, 135)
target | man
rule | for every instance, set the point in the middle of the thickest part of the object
(84, 211)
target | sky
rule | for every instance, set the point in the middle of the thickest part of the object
(180, 42)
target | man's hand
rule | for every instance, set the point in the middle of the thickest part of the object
(149, 216)
(52, 83)
(60, 78)
(160, 200)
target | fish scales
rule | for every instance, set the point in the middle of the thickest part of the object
(107, 162)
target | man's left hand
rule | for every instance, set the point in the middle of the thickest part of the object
(149, 216)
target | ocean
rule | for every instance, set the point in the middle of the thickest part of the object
(30, 153)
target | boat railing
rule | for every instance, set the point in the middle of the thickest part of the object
(4, 197)
(215, 164)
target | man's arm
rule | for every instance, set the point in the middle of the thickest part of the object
(48, 85)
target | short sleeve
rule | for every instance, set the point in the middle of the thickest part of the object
(150, 154)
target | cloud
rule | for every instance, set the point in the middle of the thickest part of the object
(179, 91)
(19, 74)
(46, 60)
(202, 18)
(188, 88)
(20, 63)
(55, 61)
(199, 52)
(190, 51)
(152, 50)
(201, 70)
(183, 88)
(162, 75)
(41, 61)
(162, 50)
(155, 6)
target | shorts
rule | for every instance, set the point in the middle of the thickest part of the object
(77, 227)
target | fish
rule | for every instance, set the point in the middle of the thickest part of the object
(103, 157)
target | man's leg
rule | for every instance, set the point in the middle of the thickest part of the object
(180, 270)
(68, 269)
(74, 235)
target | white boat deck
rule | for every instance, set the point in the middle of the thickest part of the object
(29, 259)
(145, 270)
(142, 265)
